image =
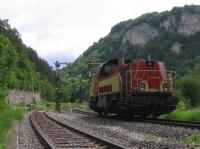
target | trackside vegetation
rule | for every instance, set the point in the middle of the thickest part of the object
(189, 115)
(8, 114)
(20, 68)
(193, 140)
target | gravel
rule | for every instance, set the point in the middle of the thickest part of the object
(26, 137)
(128, 134)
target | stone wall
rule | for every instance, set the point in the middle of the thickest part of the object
(16, 96)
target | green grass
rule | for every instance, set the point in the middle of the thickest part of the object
(7, 115)
(51, 105)
(43, 105)
(76, 105)
(193, 140)
(190, 115)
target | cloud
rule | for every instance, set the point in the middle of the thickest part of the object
(65, 28)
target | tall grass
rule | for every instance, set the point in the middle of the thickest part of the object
(7, 115)
(189, 115)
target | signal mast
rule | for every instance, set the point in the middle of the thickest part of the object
(58, 84)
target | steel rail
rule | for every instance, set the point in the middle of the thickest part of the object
(101, 140)
(39, 133)
(48, 143)
(179, 123)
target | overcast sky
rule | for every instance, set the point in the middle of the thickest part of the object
(63, 29)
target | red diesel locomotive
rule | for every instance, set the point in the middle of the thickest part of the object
(141, 87)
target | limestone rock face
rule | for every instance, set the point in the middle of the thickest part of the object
(189, 24)
(140, 34)
(169, 23)
(176, 47)
(22, 97)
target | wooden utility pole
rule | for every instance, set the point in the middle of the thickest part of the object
(58, 84)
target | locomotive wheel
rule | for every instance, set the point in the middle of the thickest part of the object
(130, 115)
(154, 116)
(100, 113)
(143, 116)
(119, 114)
(105, 113)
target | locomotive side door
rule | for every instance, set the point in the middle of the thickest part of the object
(128, 82)
(126, 79)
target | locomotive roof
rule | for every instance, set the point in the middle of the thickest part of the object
(115, 61)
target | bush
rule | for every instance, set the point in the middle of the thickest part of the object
(181, 106)
(190, 88)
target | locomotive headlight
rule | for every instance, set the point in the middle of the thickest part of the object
(165, 88)
(142, 87)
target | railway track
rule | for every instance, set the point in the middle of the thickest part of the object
(55, 134)
(178, 123)
(186, 124)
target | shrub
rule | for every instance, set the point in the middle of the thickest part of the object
(190, 88)
(181, 106)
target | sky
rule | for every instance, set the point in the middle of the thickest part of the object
(63, 29)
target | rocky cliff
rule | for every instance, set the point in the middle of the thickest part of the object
(140, 34)
(189, 24)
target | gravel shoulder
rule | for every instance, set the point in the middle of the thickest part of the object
(129, 134)
(26, 136)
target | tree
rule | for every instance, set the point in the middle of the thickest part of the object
(190, 87)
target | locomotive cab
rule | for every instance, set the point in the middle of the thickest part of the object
(107, 68)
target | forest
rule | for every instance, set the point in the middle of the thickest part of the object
(21, 67)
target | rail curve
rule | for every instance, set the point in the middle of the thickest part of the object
(55, 134)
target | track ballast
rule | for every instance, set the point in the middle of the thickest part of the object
(55, 134)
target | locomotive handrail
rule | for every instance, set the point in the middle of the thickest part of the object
(165, 72)
(154, 70)
(139, 78)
